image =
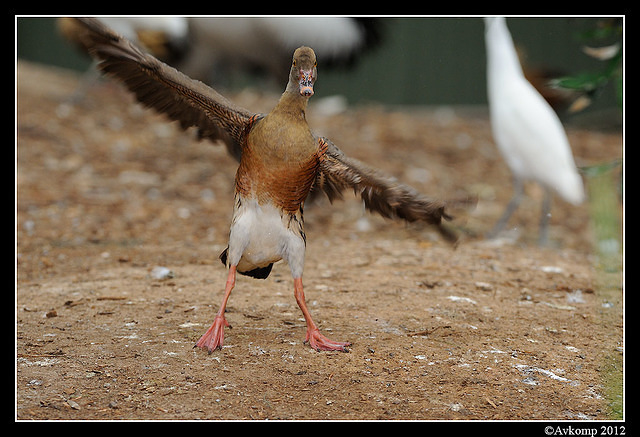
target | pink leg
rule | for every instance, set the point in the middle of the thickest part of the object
(316, 340)
(214, 337)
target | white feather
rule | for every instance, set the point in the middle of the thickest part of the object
(260, 236)
(174, 27)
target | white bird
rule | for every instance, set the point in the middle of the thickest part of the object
(526, 129)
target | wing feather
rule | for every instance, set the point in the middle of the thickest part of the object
(165, 89)
(380, 193)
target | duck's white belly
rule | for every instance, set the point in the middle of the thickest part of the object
(261, 235)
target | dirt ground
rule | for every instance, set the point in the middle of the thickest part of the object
(107, 192)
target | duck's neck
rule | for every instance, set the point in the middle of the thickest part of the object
(292, 104)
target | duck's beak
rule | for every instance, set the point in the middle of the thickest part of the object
(306, 83)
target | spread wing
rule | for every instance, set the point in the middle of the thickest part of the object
(165, 89)
(381, 193)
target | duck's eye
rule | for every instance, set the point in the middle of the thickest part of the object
(315, 64)
(294, 62)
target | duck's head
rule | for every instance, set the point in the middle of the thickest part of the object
(303, 71)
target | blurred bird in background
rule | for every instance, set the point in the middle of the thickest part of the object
(543, 78)
(217, 49)
(526, 130)
(228, 45)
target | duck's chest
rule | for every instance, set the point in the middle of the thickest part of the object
(279, 163)
(281, 140)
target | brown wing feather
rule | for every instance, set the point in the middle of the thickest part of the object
(381, 193)
(165, 89)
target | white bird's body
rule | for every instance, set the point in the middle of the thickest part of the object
(526, 129)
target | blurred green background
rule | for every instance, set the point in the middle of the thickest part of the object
(421, 61)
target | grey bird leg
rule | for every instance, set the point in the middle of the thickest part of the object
(518, 190)
(544, 218)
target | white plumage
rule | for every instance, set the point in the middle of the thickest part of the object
(526, 129)
(260, 235)
(175, 28)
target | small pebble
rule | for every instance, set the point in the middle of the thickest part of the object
(161, 273)
(484, 286)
